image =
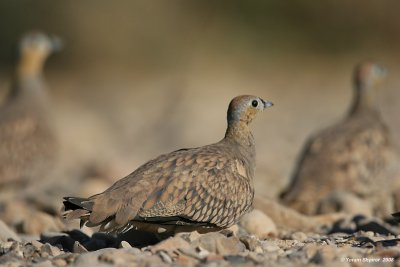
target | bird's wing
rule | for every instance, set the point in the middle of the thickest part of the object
(204, 188)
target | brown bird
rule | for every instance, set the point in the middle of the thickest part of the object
(354, 157)
(27, 141)
(207, 188)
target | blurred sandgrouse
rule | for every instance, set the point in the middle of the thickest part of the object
(352, 158)
(27, 143)
(207, 188)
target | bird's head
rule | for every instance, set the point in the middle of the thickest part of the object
(368, 75)
(36, 42)
(245, 108)
(368, 78)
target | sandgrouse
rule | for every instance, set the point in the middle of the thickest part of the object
(206, 188)
(27, 141)
(352, 160)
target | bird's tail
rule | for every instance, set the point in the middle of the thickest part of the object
(77, 208)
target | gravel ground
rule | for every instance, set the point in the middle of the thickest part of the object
(354, 241)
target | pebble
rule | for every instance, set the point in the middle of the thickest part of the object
(203, 253)
(310, 249)
(271, 248)
(36, 244)
(117, 257)
(59, 262)
(369, 234)
(165, 257)
(258, 250)
(6, 246)
(256, 257)
(259, 224)
(125, 244)
(87, 259)
(38, 222)
(170, 245)
(191, 252)
(46, 263)
(51, 250)
(6, 233)
(299, 236)
(219, 244)
(185, 260)
(230, 246)
(78, 248)
(251, 242)
(193, 236)
(90, 259)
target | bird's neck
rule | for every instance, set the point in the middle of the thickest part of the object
(365, 99)
(28, 81)
(240, 133)
(240, 136)
(30, 64)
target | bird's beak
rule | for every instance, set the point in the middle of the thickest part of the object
(267, 104)
(57, 43)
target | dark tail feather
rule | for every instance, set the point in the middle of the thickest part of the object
(81, 208)
(77, 208)
(74, 203)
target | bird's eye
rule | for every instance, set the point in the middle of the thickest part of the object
(254, 103)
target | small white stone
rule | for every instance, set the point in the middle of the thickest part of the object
(271, 248)
(369, 234)
(299, 236)
(258, 250)
(125, 244)
(161, 230)
(259, 224)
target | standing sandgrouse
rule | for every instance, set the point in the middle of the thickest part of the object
(27, 142)
(353, 159)
(205, 188)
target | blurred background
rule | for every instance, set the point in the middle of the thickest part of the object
(141, 78)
